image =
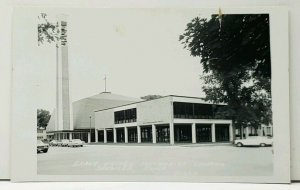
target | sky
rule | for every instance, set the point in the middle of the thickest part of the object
(137, 49)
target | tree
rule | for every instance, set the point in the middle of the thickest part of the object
(47, 31)
(43, 117)
(151, 97)
(234, 51)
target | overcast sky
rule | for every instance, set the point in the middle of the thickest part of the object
(137, 49)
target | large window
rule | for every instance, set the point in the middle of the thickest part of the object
(120, 135)
(222, 133)
(183, 133)
(146, 134)
(80, 135)
(100, 136)
(125, 116)
(132, 134)
(203, 133)
(162, 134)
(109, 135)
(194, 110)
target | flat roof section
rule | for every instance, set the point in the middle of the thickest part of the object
(157, 99)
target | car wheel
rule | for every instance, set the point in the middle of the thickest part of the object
(45, 151)
(239, 144)
(262, 144)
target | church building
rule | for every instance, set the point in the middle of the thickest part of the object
(170, 119)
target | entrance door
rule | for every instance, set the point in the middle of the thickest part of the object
(203, 133)
(162, 134)
(132, 134)
(183, 133)
(146, 134)
(110, 135)
(222, 132)
(120, 135)
(101, 136)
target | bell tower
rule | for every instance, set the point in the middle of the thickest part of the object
(64, 113)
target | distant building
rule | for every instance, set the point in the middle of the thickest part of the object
(170, 119)
(84, 118)
(262, 130)
(41, 133)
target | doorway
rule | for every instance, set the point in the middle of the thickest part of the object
(203, 133)
(222, 132)
(183, 133)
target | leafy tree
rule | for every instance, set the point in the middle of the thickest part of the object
(234, 51)
(43, 117)
(47, 31)
(151, 97)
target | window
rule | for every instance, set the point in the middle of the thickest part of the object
(162, 134)
(132, 134)
(125, 116)
(194, 110)
(146, 134)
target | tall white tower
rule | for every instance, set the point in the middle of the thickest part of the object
(64, 113)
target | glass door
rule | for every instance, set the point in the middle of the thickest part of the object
(222, 132)
(203, 133)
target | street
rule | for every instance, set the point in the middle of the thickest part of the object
(185, 160)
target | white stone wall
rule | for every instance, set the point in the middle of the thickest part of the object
(104, 119)
(156, 111)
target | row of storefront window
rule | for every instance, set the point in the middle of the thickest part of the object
(185, 110)
(75, 135)
(182, 133)
(125, 116)
(180, 110)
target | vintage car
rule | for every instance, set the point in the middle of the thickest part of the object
(53, 143)
(254, 141)
(75, 143)
(65, 142)
(59, 143)
(42, 147)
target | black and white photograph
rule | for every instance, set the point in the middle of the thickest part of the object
(150, 93)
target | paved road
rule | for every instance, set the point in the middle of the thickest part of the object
(221, 160)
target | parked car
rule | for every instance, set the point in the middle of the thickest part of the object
(42, 147)
(53, 143)
(59, 143)
(254, 141)
(75, 143)
(65, 142)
